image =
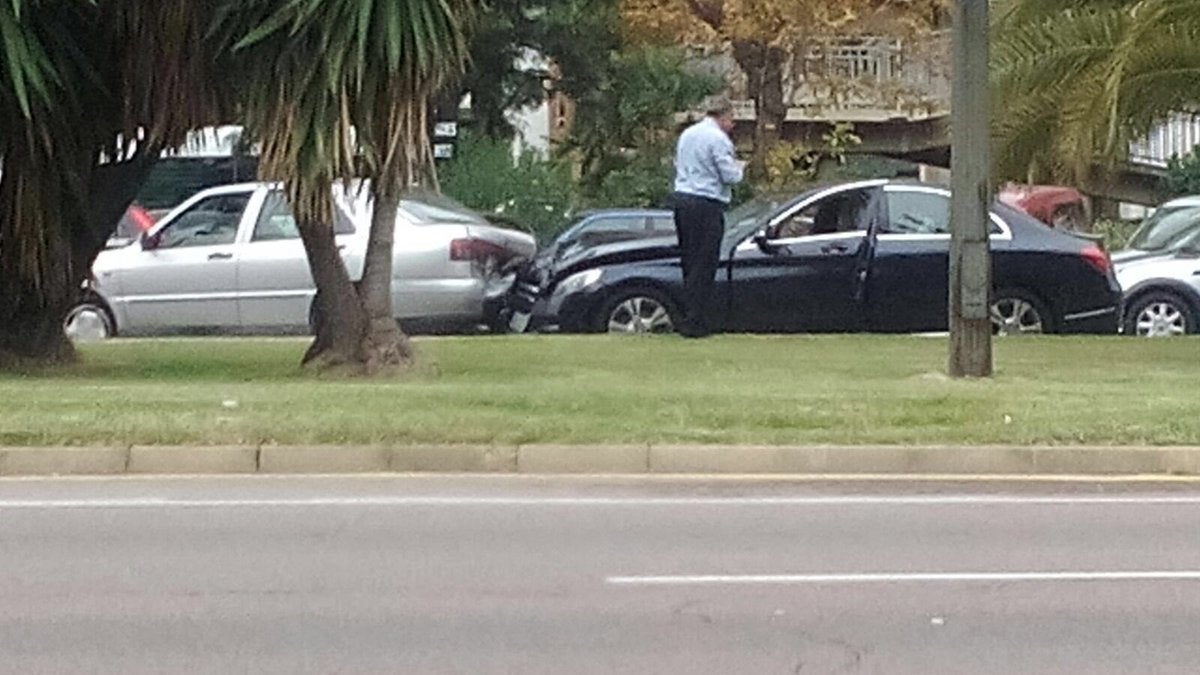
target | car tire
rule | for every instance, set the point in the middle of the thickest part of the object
(1161, 314)
(89, 321)
(638, 311)
(1018, 312)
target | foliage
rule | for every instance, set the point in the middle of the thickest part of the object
(1074, 82)
(535, 194)
(1183, 174)
(644, 179)
(570, 34)
(770, 40)
(1114, 233)
(790, 163)
(778, 22)
(90, 92)
(624, 130)
(80, 82)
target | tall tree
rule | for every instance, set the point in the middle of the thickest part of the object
(90, 92)
(1076, 80)
(574, 35)
(363, 76)
(628, 124)
(764, 35)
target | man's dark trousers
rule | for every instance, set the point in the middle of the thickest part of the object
(700, 225)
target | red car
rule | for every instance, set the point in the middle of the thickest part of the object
(131, 226)
(1062, 208)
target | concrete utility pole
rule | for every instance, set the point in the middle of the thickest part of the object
(970, 167)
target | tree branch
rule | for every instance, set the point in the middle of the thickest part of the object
(711, 12)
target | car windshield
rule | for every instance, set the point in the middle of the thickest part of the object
(743, 220)
(1168, 229)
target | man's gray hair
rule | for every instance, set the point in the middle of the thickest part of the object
(718, 106)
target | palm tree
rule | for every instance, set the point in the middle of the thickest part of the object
(90, 92)
(1076, 80)
(122, 79)
(365, 73)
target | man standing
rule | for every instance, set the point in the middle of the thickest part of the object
(705, 168)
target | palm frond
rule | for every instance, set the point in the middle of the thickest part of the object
(1078, 80)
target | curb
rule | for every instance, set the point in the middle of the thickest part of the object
(602, 459)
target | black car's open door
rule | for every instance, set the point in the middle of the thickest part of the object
(803, 271)
(875, 219)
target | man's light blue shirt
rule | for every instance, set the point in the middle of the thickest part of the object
(705, 164)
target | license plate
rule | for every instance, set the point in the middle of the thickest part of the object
(518, 322)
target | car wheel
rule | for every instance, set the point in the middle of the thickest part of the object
(638, 311)
(1160, 314)
(1019, 313)
(88, 322)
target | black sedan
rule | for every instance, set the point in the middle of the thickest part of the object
(868, 256)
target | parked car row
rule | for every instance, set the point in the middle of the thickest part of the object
(864, 256)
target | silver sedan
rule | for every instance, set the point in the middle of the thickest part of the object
(230, 259)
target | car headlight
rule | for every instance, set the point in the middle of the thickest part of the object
(579, 281)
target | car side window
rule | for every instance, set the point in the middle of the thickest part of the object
(210, 222)
(912, 212)
(836, 214)
(276, 221)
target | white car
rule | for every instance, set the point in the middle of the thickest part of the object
(1160, 272)
(230, 259)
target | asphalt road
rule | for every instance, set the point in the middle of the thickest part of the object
(554, 575)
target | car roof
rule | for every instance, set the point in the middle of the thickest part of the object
(594, 213)
(1193, 200)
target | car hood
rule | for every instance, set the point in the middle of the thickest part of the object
(1132, 255)
(636, 250)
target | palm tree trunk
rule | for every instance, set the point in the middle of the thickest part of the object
(340, 321)
(39, 282)
(384, 346)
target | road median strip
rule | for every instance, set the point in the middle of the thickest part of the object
(602, 459)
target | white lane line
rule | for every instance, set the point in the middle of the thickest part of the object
(409, 501)
(897, 577)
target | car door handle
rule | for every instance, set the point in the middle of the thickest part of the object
(837, 247)
(220, 256)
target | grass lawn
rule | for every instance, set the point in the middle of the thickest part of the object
(525, 389)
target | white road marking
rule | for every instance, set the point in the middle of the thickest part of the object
(498, 501)
(898, 577)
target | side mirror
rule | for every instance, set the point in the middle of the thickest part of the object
(149, 241)
(764, 243)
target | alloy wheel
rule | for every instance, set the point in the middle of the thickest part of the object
(640, 315)
(1015, 316)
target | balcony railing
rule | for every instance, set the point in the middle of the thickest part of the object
(860, 79)
(1179, 136)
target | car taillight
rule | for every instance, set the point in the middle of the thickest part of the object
(141, 217)
(477, 250)
(1098, 258)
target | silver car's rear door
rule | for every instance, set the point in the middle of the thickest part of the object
(187, 277)
(275, 285)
